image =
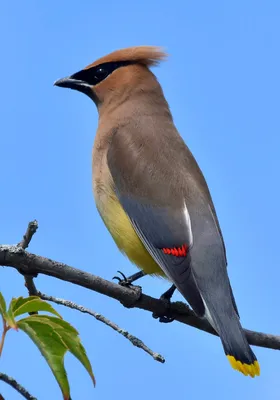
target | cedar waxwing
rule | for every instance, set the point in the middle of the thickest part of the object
(152, 195)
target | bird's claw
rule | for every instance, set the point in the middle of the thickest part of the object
(123, 282)
(164, 318)
(166, 298)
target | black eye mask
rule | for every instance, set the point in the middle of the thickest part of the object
(95, 75)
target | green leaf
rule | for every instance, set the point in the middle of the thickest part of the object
(10, 315)
(51, 347)
(43, 329)
(70, 337)
(31, 304)
(3, 307)
(18, 301)
(61, 324)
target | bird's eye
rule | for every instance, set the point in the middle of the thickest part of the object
(93, 76)
(100, 74)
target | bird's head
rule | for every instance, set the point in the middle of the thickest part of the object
(115, 73)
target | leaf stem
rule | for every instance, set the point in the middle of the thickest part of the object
(5, 330)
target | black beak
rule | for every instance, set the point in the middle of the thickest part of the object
(67, 83)
(73, 83)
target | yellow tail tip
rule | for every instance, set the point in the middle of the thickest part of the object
(246, 369)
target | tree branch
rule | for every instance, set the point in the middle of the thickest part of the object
(29, 283)
(133, 339)
(25, 262)
(24, 243)
(31, 229)
(12, 382)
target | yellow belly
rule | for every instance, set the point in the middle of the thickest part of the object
(123, 232)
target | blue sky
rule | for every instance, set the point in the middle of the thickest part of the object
(222, 83)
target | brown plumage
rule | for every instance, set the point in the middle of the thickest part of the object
(145, 55)
(152, 195)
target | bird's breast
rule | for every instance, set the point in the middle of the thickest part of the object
(117, 221)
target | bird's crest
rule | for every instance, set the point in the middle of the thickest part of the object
(146, 55)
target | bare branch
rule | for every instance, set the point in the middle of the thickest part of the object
(24, 261)
(30, 285)
(24, 243)
(133, 339)
(31, 229)
(12, 382)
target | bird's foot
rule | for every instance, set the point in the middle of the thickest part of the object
(166, 298)
(128, 281)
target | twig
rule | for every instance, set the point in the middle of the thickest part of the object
(31, 229)
(12, 382)
(133, 339)
(22, 260)
(30, 285)
(24, 243)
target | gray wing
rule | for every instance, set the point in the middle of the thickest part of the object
(159, 203)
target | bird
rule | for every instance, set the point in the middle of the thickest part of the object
(152, 195)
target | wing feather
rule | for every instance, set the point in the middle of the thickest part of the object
(157, 202)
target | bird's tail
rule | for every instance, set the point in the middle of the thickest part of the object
(236, 346)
